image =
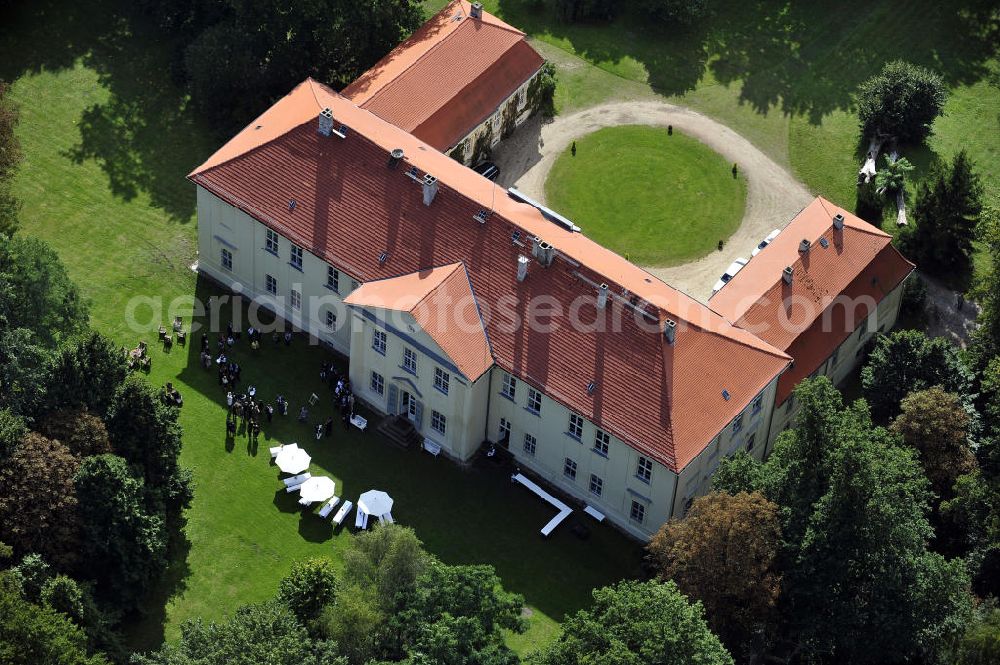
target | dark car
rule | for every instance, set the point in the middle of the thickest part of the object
(487, 170)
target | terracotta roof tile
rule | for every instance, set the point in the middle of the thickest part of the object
(448, 77)
(833, 286)
(664, 400)
(442, 302)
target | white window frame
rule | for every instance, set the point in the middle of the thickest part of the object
(271, 284)
(439, 422)
(509, 386)
(377, 383)
(333, 279)
(758, 404)
(271, 241)
(296, 300)
(226, 257)
(379, 341)
(644, 469)
(737, 423)
(637, 512)
(295, 257)
(534, 401)
(598, 482)
(602, 442)
(331, 319)
(570, 468)
(504, 429)
(530, 444)
(409, 360)
(442, 380)
(575, 426)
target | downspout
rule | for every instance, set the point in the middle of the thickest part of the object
(489, 399)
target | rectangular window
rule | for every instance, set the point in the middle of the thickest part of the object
(410, 360)
(569, 469)
(271, 241)
(575, 426)
(638, 512)
(534, 401)
(296, 259)
(750, 442)
(296, 299)
(602, 441)
(333, 278)
(738, 423)
(438, 422)
(509, 386)
(378, 341)
(504, 435)
(271, 284)
(644, 469)
(227, 259)
(757, 404)
(530, 444)
(378, 383)
(441, 380)
(331, 320)
(596, 485)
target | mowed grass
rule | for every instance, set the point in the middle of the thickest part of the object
(657, 198)
(107, 143)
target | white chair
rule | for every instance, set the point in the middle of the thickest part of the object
(359, 519)
(275, 451)
(381, 519)
(342, 513)
(305, 502)
(328, 508)
(388, 518)
(293, 488)
(359, 421)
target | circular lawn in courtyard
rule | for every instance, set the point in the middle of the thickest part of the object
(659, 199)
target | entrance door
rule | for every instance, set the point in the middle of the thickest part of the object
(409, 406)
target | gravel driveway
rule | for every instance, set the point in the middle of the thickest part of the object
(773, 195)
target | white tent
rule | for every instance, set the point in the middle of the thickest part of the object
(375, 502)
(317, 488)
(292, 459)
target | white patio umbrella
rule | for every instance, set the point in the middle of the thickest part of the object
(318, 488)
(375, 502)
(292, 459)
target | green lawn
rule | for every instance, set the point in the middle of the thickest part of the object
(107, 142)
(782, 74)
(656, 198)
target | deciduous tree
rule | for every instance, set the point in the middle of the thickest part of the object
(124, 544)
(636, 622)
(308, 588)
(723, 553)
(935, 424)
(38, 502)
(77, 429)
(86, 373)
(901, 101)
(907, 360)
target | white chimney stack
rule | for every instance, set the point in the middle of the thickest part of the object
(804, 245)
(838, 221)
(430, 188)
(325, 122)
(787, 273)
(602, 296)
(477, 10)
(522, 267)
(670, 330)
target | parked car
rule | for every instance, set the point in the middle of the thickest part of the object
(765, 242)
(488, 170)
(731, 271)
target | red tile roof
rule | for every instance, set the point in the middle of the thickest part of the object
(442, 302)
(665, 400)
(833, 288)
(448, 77)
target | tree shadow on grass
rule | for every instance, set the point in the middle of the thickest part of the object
(798, 57)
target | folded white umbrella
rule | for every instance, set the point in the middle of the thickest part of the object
(318, 488)
(292, 459)
(375, 502)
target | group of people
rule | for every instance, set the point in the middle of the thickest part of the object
(244, 407)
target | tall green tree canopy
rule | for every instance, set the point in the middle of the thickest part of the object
(636, 623)
(859, 581)
(125, 544)
(908, 360)
(267, 633)
(308, 587)
(901, 101)
(947, 211)
(86, 373)
(10, 158)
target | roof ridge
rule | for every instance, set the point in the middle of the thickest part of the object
(453, 266)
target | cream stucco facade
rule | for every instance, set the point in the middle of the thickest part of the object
(402, 371)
